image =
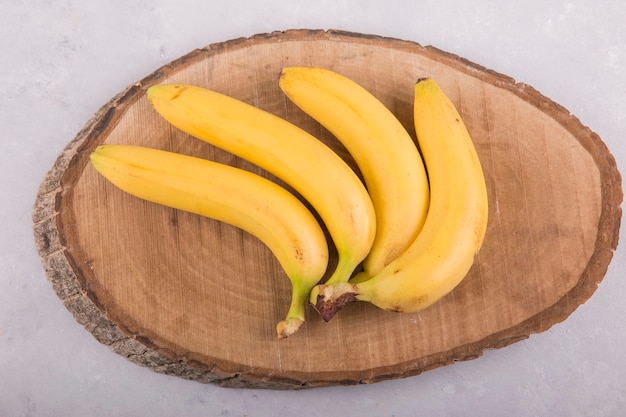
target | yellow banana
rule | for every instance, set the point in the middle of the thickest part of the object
(317, 173)
(444, 251)
(234, 196)
(384, 151)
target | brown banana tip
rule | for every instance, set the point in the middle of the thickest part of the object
(328, 307)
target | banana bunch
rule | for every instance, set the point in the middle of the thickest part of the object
(405, 236)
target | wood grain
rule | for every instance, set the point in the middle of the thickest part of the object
(195, 298)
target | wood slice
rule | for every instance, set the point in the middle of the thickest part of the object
(199, 299)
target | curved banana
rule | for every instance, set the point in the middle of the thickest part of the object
(231, 195)
(385, 153)
(314, 170)
(455, 227)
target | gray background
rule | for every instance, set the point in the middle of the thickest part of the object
(62, 59)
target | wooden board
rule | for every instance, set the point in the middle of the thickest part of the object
(195, 298)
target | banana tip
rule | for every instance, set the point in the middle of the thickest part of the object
(165, 92)
(288, 327)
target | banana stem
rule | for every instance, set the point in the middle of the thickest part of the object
(295, 315)
(343, 271)
(329, 299)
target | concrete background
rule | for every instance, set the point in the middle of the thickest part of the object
(61, 60)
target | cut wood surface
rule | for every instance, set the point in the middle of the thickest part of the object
(192, 297)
